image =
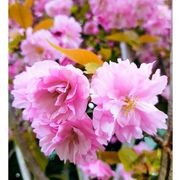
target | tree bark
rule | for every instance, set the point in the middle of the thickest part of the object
(166, 161)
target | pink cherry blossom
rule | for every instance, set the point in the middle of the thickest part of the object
(11, 1)
(153, 15)
(57, 7)
(48, 89)
(128, 132)
(67, 31)
(125, 96)
(73, 140)
(23, 83)
(97, 168)
(160, 21)
(166, 92)
(36, 46)
(79, 2)
(91, 27)
(114, 13)
(124, 14)
(15, 68)
(104, 124)
(39, 6)
(146, 54)
(145, 8)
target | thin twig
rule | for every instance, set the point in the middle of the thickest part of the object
(22, 165)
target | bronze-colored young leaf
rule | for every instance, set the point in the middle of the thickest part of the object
(110, 157)
(80, 56)
(29, 3)
(44, 24)
(148, 38)
(147, 161)
(21, 14)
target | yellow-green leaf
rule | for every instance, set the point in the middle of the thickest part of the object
(21, 14)
(110, 157)
(127, 156)
(118, 37)
(91, 68)
(129, 37)
(74, 9)
(44, 24)
(15, 43)
(132, 35)
(148, 38)
(80, 56)
(106, 53)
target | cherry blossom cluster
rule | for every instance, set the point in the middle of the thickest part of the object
(54, 99)
(153, 15)
(65, 32)
(150, 16)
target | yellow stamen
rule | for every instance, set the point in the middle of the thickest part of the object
(39, 50)
(129, 106)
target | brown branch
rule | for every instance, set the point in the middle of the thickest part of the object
(166, 161)
(23, 138)
(163, 144)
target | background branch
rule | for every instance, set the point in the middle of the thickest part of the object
(166, 161)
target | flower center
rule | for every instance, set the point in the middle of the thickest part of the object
(129, 106)
(74, 137)
(58, 33)
(39, 50)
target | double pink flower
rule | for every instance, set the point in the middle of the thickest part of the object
(125, 96)
(55, 98)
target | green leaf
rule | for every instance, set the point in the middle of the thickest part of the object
(53, 155)
(74, 9)
(127, 156)
(14, 44)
